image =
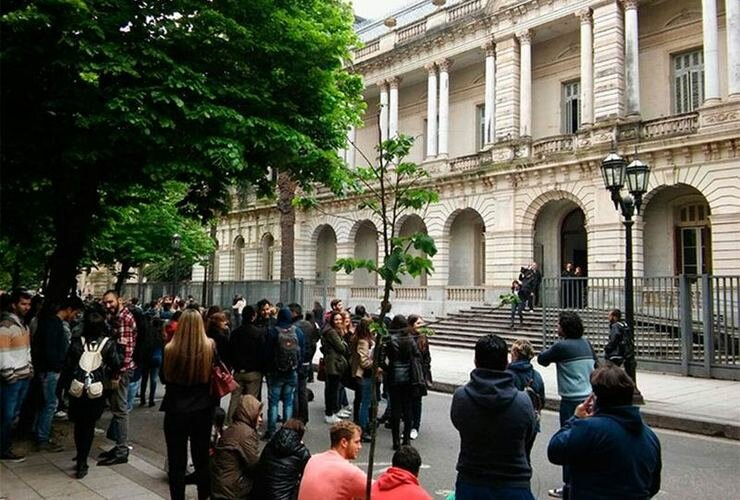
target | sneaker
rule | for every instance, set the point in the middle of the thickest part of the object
(9, 456)
(414, 434)
(331, 419)
(50, 447)
(555, 492)
(60, 415)
(344, 413)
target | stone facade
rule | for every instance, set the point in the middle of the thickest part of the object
(481, 85)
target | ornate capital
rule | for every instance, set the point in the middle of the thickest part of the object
(444, 64)
(525, 36)
(382, 84)
(394, 82)
(585, 15)
(489, 48)
(431, 68)
(629, 4)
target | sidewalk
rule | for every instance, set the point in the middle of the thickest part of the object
(695, 405)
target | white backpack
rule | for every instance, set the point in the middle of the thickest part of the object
(88, 377)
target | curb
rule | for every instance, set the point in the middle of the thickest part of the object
(705, 427)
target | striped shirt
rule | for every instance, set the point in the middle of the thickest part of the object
(15, 348)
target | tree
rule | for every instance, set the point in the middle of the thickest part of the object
(389, 190)
(104, 96)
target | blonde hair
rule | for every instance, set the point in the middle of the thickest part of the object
(522, 349)
(188, 358)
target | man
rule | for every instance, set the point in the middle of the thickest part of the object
(285, 349)
(123, 326)
(530, 278)
(246, 346)
(49, 351)
(300, 410)
(329, 475)
(497, 427)
(264, 314)
(575, 360)
(400, 482)
(16, 369)
(566, 287)
(609, 449)
(620, 348)
(336, 306)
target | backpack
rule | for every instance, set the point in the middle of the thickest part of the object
(287, 351)
(88, 376)
(537, 402)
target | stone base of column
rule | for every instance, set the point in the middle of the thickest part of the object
(712, 101)
(733, 97)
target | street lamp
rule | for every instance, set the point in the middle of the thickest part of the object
(637, 174)
(175, 244)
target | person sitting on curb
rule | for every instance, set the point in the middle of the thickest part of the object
(400, 482)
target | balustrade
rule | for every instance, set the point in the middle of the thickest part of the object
(462, 10)
(411, 293)
(411, 31)
(466, 294)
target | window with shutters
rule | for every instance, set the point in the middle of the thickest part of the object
(571, 106)
(688, 81)
(693, 239)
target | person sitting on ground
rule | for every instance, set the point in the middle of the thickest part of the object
(234, 463)
(400, 482)
(282, 463)
(330, 475)
(610, 451)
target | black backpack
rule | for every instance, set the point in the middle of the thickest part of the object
(287, 350)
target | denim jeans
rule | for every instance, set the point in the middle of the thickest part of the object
(362, 403)
(49, 382)
(118, 428)
(133, 390)
(281, 387)
(11, 399)
(469, 491)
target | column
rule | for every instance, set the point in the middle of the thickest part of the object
(490, 94)
(525, 82)
(393, 111)
(506, 117)
(444, 106)
(732, 14)
(383, 110)
(711, 55)
(631, 58)
(351, 138)
(608, 61)
(431, 110)
(587, 67)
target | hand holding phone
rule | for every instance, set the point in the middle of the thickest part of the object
(586, 409)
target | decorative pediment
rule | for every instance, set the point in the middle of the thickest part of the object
(684, 17)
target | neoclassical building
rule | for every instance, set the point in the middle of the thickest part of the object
(514, 103)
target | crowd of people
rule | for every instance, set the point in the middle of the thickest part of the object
(117, 351)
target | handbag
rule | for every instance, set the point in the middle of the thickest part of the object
(321, 373)
(222, 381)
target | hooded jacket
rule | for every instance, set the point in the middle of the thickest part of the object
(612, 455)
(281, 466)
(496, 423)
(237, 453)
(398, 484)
(284, 321)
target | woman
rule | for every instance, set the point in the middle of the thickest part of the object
(85, 411)
(153, 359)
(282, 463)
(526, 378)
(401, 352)
(361, 363)
(218, 331)
(188, 404)
(517, 307)
(335, 362)
(237, 453)
(422, 343)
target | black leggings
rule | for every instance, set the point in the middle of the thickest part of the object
(331, 394)
(401, 401)
(178, 428)
(84, 413)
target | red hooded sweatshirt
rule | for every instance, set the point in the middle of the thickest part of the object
(398, 484)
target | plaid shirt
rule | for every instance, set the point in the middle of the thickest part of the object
(126, 332)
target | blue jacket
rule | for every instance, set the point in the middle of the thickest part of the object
(611, 455)
(523, 373)
(575, 360)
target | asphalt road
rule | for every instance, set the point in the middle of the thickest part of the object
(694, 467)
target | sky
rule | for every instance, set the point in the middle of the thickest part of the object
(373, 9)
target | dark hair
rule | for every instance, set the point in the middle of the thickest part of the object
(360, 310)
(262, 303)
(295, 425)
(296, 309)
(407, 458)
(571, 326)
(616, 313)
(309, 317)
(93, 323)
(331, 318)
(344, 429)
(18, 294)
(212, 310)
(399, 324)
(334, 302)
(134, 300)
(111, 292)
(176, 316)
(248, 314)
(491, 353)
(73, 302)
(612, 386)
(214, 318)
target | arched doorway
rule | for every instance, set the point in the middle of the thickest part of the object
(467, 255)
(326, 255)
(366, 247)
(413, 224)
(268, 256)
(560, 237)
(238, 257)
(677, 216)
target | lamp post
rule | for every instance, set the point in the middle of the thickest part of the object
(637, 174)
(175, 244)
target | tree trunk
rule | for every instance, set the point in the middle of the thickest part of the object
(286, 193)
(122, 276)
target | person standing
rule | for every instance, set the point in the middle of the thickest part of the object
(519, 302)
(620, 349)
(218, 331)
(152, 355)
(16, 368)
(566, 287)
(526, 378)
(50, 345)
(300, 402)
(575, 359)
(425, 359)
(330, 475)
(496, 423)
(609, 449)
(361, 365)
(188, 404)
(123, 326)
(237, 308)
(400, 481)
(246, 345)
(335, 352)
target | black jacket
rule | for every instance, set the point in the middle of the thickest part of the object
(281, 466)
(50, 344)
(402, 352)
(246, 346)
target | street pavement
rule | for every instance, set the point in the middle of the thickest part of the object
(694, 466)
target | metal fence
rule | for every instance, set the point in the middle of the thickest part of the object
(683, 324)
